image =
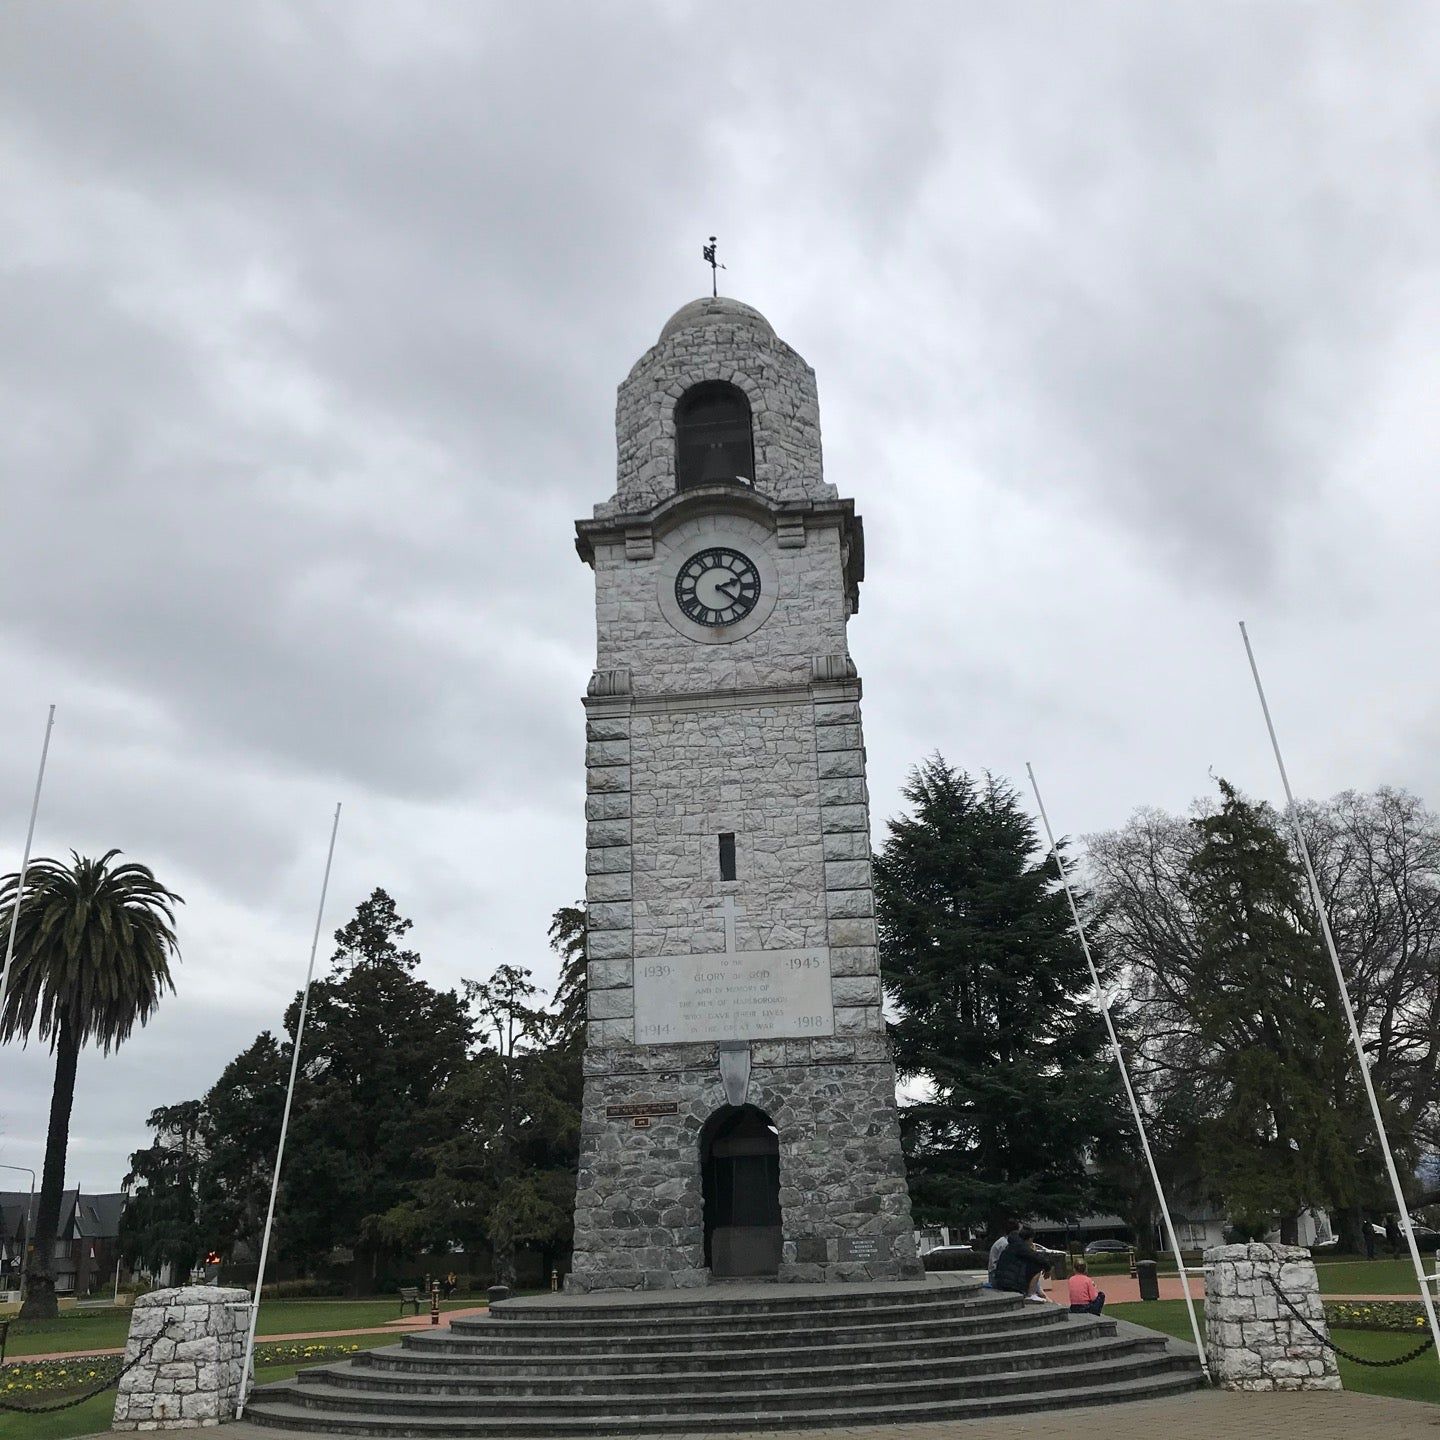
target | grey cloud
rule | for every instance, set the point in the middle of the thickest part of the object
(313, 318)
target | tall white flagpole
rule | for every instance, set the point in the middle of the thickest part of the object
(25, 861)
(1104, 1000)
(1427, 1299)
(244, 1394)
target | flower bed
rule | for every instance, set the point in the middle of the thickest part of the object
(1403, 1315)
(24, 1379)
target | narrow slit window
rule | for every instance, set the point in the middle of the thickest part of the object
(727, 856)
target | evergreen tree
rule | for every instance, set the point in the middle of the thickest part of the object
(568, 933)
(981, 963)
(242, 1131)
(161, 1223)
(380, 1047)
(505, 1170)
(1264, 997)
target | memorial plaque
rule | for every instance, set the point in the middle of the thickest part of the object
(734, 995)
(639, 1108)
(859, 1247)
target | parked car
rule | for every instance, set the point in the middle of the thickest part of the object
(1108, 1247)
(953, 1257)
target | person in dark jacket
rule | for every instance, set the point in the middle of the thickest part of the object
(1021, 1268)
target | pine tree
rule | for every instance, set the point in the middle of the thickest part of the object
(380, 1047)
(982, 965)
(1264, 997)
(569, 931)
(161, 1221)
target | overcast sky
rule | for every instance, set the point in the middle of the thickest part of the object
(1123, 317)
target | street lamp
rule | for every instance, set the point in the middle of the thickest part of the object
(29, 1221)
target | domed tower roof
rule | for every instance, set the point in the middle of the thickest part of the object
(716, 309)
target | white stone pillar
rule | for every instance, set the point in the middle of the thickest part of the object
(190, 1375)
(1256, 1342)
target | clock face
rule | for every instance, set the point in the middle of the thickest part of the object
(717, 586)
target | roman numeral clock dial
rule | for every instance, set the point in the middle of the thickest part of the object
(718, 586)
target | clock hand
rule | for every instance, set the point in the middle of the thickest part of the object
(723, 586)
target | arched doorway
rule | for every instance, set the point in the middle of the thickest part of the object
(740, 1167)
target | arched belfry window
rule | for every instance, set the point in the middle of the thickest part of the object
(713, 440)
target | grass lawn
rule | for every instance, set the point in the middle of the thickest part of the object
(1337, 1277)
(79, 1332)
(1419, 1380)
(1369, 1277)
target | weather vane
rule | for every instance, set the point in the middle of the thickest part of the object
(715, 267)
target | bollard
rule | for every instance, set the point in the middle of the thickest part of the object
(1149, 1279)
(555, 1279)
(434, 1302)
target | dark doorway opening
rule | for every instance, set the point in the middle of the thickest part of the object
(740, 1167)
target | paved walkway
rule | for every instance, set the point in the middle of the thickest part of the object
(1198, 1415)
(1122, 1289)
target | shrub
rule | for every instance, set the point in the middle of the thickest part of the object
(303, 1290)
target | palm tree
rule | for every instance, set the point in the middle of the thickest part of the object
(92, 956)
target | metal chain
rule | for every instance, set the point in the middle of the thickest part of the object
(100, 1389)
(1325, 1340)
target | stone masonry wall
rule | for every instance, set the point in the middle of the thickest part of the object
(638, 1209)
(1253, 1339)
(757, 733)
(735, 344)
(809, 618)
(191, 1376)
(787, 779)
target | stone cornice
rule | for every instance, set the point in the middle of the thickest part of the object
(637, 529)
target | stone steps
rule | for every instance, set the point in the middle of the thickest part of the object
(564, 1361)
(677, 1320)
(838, 1356)
(739, 1332)
(781, 1301)
(280, 1415)
(829, 1376)
(686, 1405)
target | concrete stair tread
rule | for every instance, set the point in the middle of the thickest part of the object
(719, 1316)
(712, 1300)
(948, 1324)
(278, 1413)
(698, 1403)
(969, 1342)
(926, 1369)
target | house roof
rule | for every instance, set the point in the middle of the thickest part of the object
(82, 1217)
(97, 1217)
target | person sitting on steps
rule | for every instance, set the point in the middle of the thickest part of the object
(1021, 1268)
(1085, 1299)
(998, 1249)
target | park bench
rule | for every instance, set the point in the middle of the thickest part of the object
(409, 1295)
(4, 1332)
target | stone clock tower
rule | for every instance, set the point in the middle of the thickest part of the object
(739, 1114)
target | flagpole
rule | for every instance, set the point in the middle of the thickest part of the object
(244, 1391)
(1426, 1298)
(1124, 1076)
(25, 865)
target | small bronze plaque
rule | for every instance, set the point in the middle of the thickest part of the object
(859, 1247)
(641, 1122)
